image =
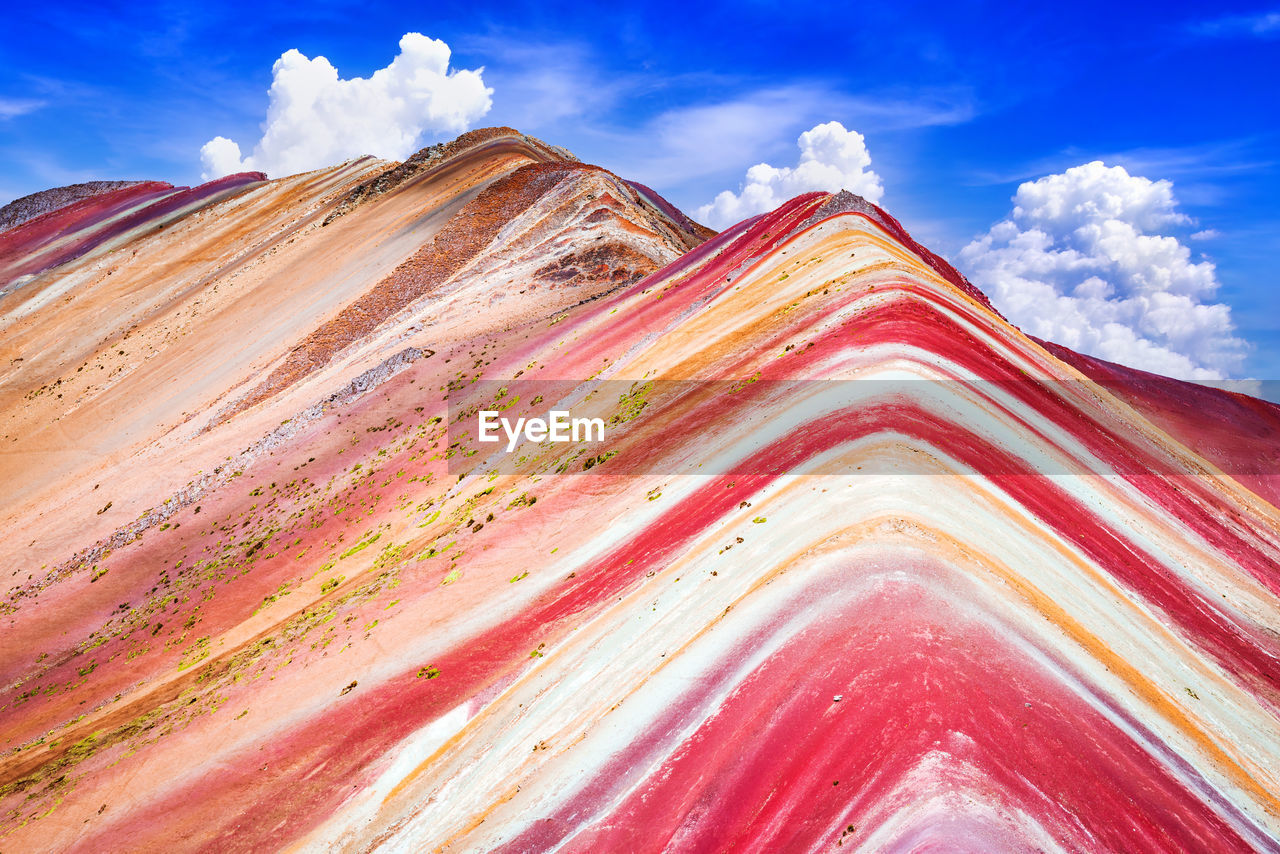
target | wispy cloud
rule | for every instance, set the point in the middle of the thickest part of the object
(538, 85)
(677, 129)
(1211, 159)
(693, 141)
(725, 137)
(1202, 161)
(14, 107)
(1263, 25)
(933, 108)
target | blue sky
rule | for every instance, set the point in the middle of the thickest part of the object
(958, 103)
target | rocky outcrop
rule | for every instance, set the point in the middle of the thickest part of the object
(37, 204)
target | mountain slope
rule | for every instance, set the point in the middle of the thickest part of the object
(858, 565)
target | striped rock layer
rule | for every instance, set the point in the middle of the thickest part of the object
(864, 568)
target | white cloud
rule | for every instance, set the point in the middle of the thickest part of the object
(549, 88)
(13, 107)
(1264, 25)
(1080, 261)
(221, 156)
(315, 118)
(831, 158)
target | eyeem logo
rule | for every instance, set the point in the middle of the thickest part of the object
(558, 428)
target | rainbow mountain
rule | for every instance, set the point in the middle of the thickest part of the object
(859, 566)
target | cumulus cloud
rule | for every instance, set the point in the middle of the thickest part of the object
(316, 118)
(1082, 261)
(831, 158)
